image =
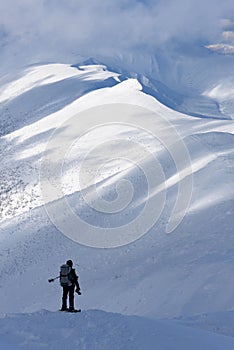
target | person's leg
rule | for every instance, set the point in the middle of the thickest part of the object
(64, 298)
(71, 297)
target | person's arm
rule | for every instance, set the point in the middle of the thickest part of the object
(76, 283)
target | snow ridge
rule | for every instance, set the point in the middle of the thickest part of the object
(158, 276)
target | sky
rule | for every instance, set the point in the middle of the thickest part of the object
(43, 29)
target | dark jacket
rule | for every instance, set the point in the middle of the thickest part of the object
(74, 278)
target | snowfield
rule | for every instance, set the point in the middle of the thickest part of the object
(163, 291)
(95, 329)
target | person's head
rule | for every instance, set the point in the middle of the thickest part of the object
(69, 263)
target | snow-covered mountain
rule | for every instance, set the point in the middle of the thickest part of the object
(177, 103)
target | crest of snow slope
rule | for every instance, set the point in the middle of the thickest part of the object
(159, 275)
(96, 329)
(182, 77)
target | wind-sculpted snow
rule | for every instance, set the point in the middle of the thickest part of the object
(44, 91)
(185, 77)
(107, 171)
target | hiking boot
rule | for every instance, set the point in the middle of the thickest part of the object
(64, 309)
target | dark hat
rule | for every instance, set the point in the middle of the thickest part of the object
(69, 263)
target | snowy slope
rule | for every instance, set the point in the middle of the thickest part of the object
(96, 329)
(159, 275)
(186, 77)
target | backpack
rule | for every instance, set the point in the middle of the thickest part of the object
(65, 276)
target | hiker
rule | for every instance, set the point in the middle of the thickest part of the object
(69, 282)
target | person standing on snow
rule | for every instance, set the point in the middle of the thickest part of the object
(69, 288)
